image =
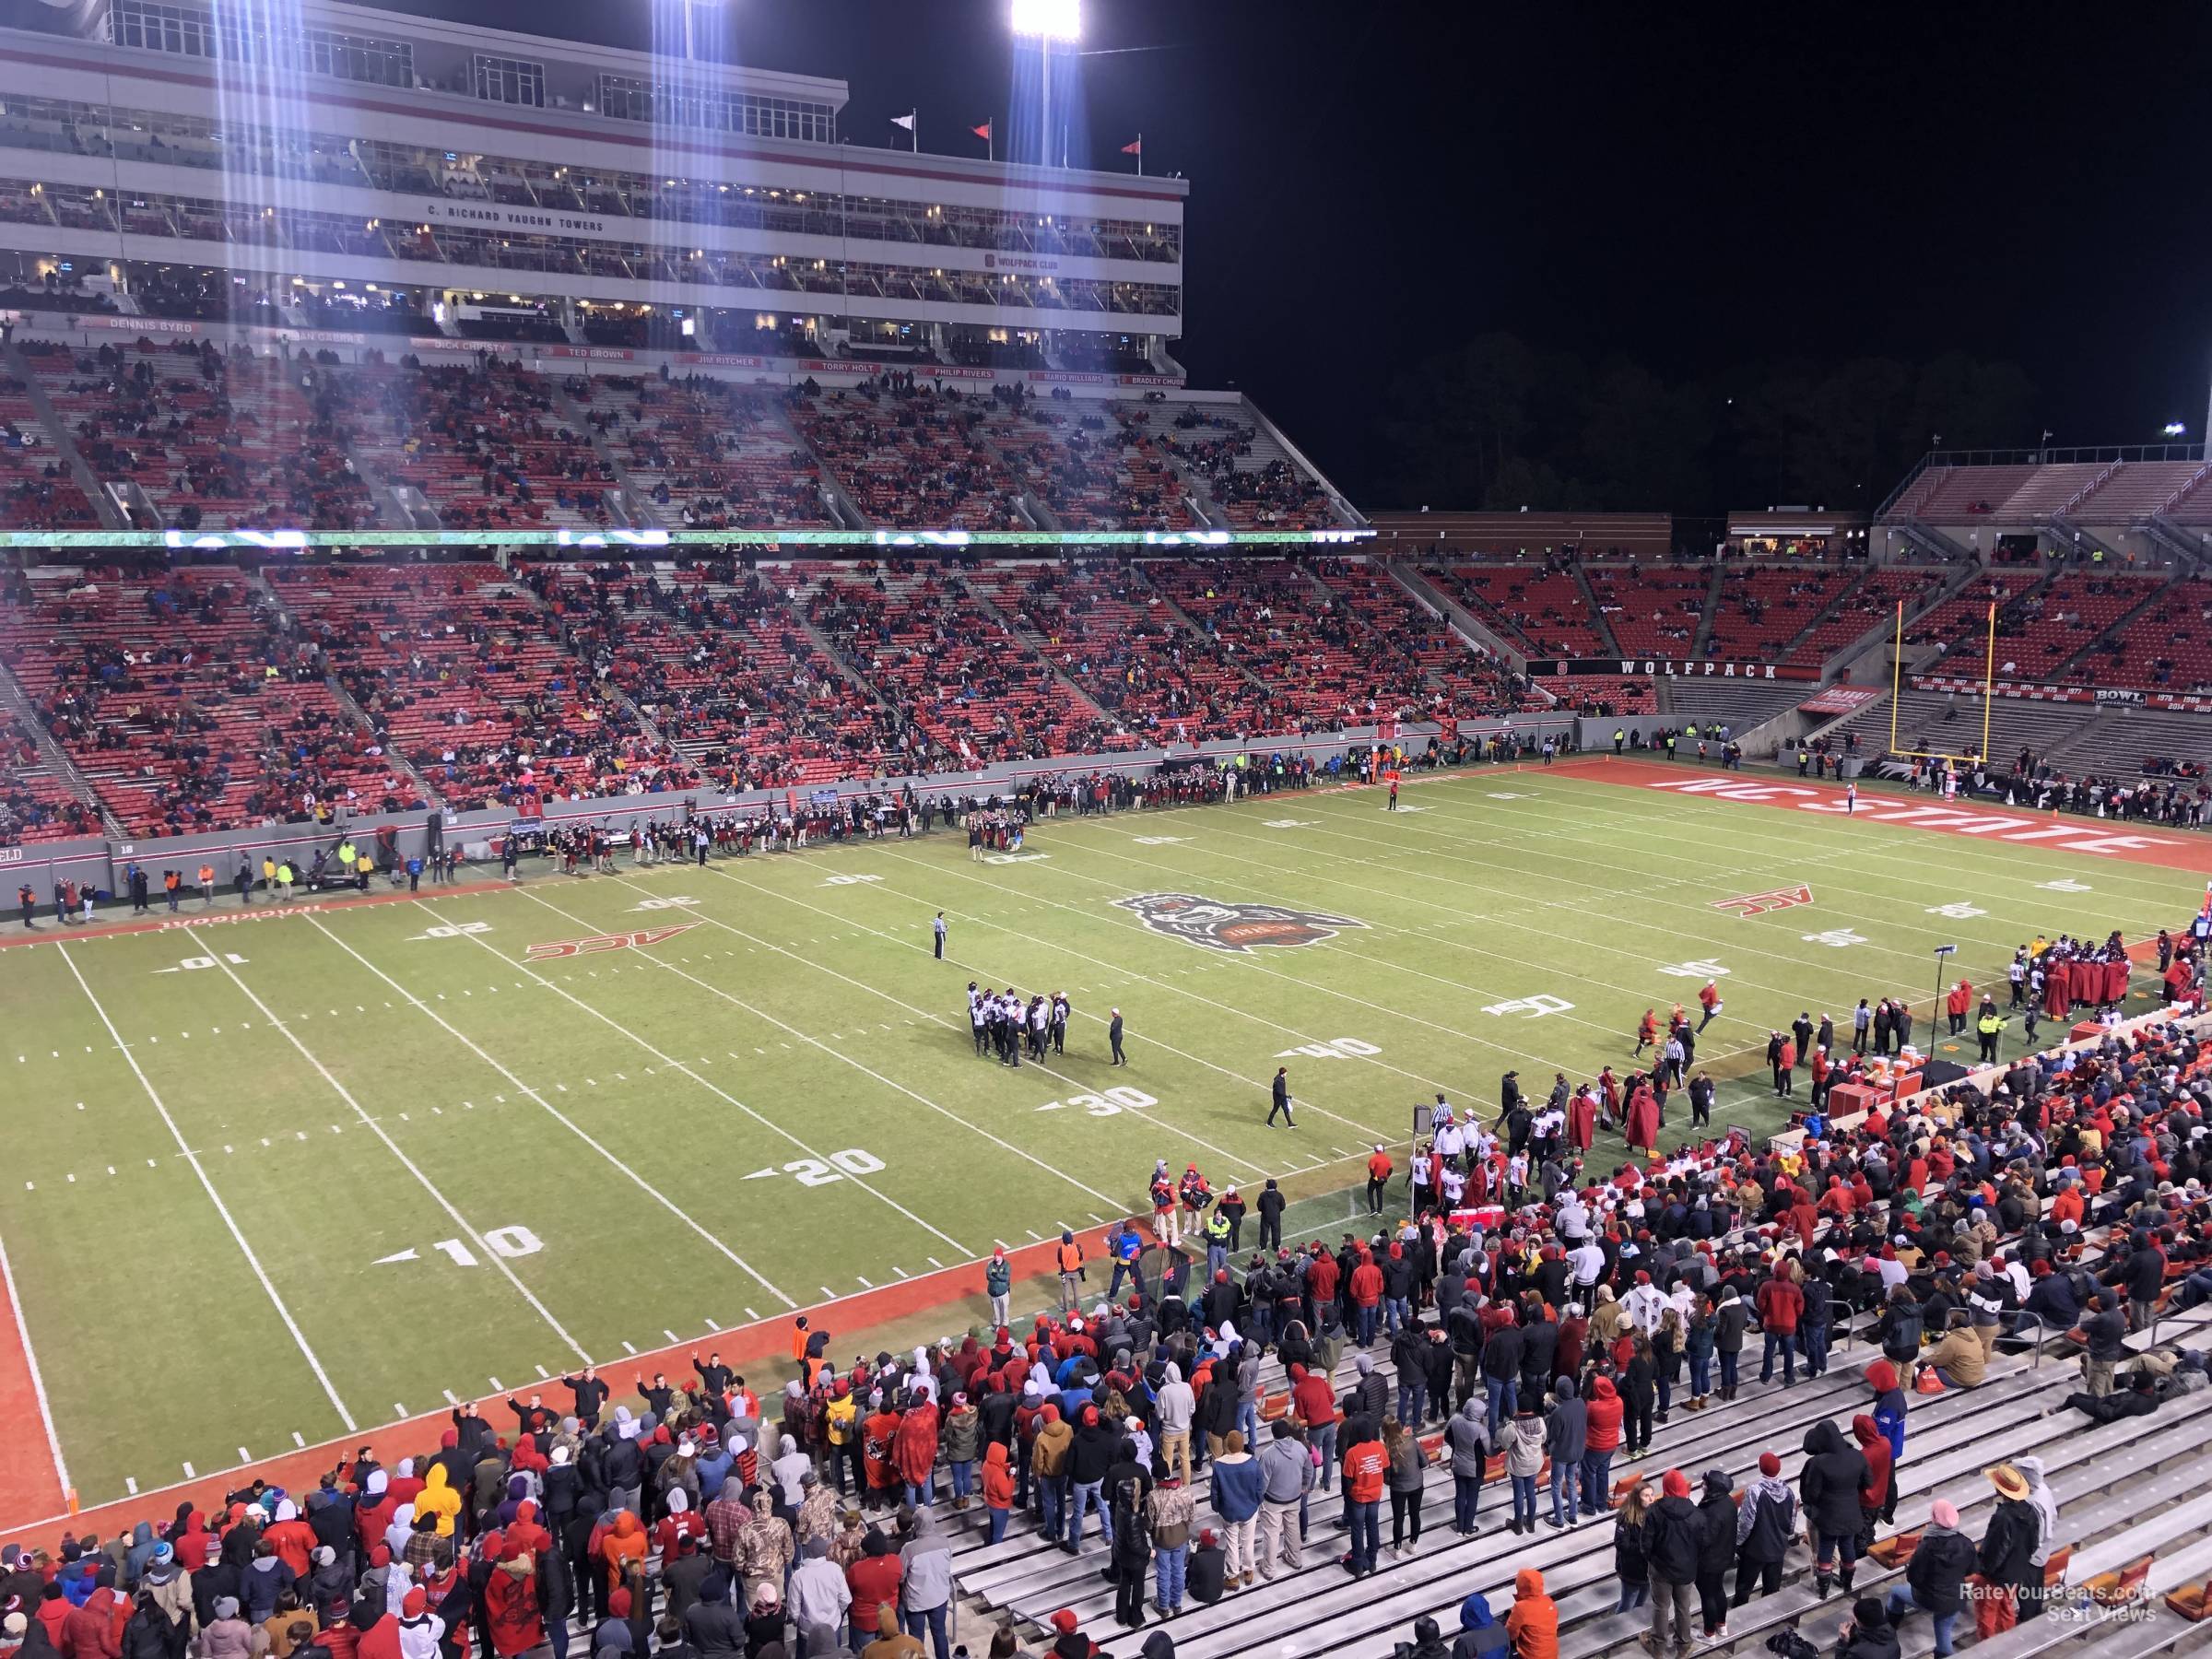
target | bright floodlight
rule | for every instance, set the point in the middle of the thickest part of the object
(1055, 20)
(2174, 428)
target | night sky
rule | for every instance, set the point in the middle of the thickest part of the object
(1372, 184)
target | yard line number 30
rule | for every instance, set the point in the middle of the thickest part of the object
(1105, 1103)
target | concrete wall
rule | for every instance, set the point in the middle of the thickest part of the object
(102, 862)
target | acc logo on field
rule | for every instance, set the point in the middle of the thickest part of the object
(621, 941)
(1220, 925)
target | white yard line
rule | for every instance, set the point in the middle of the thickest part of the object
(674, 1065)
(484, 1249)
(38, 1380)
(1166, 1048)
(1290, 1032)
(642, 1183)
(836, 1054)
(964, 1030)
(215, 1198)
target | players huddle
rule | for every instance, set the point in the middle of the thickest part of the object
(1007, 1027)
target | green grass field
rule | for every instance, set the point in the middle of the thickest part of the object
(216, 1137)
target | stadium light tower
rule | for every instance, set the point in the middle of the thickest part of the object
(692, 31)
(1048, 23)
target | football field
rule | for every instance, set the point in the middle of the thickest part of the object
(275, 1180)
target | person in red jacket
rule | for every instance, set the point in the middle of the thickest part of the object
(1366, 1288)
(1321, 1281)
(1779, 1305)
(1877, 1494)
(1957, 1005)
(90, 1632)
(292, 1538)
(1602, 1413)
(1365, 1465)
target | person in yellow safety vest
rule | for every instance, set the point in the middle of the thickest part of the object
(345, 854)
(1069, 1258)
(364, 864)
(1217, 1243)
(284, 880)
(269, 872)
(1988, 1027)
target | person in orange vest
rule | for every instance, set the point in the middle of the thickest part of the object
(1959, 1005)
(207, 885)
(1709, 999)
(1378, 1176)
(172, 887)
(1647, 1032)
(1069, 1259)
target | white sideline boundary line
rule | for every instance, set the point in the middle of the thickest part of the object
(407, 1164)
(672, 1063)
(38, 1380)
(222, 1209)
(643, 1185)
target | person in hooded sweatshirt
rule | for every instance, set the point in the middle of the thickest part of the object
(998, 1491)
(1936, 1577)
(1468, 1440)
(90, 1632)
(1879, 1496)
(925, 1582)
(714, 1625)
(1566, 1440)
(1672, 1538)
(292, 1539)
(2044, 1501)
(150, 1633)
(1869, 1635)
(1602, 1416)
(169, 1585)
(1524, 1459)
(265, 1578)
(1717, 1549)
(1766, 1522)
(1533, 1621)
(1480, 1635)
(226, 1636)
(1829, 1485)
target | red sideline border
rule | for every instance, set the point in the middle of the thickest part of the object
(26, 1470)
(2051, 831)
(30, 1470)
(49, 932)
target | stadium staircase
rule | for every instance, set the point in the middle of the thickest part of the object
(630, 506)
(2130, 1492)
(1701, 642)
(976, 597)
(1168, 600)
(1605, 628)
(112, 515)
(341, 695)
(1462, 620)
(2079, 665)
(54, 760)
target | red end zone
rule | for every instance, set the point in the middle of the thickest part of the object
(2150, 844)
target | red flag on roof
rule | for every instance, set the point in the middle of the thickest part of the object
(983, 132)
(1133, 149)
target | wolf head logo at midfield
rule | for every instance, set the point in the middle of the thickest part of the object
(1220, 924)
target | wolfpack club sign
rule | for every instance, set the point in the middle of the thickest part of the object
(621, 941)
(1220, 924)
